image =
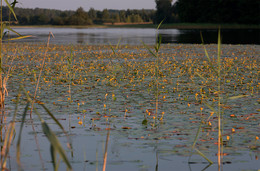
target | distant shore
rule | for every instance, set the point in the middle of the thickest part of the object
(191, 26)
(150, 25)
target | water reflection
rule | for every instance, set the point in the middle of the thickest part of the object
(135, 36)
(80, 37)
(229, 36)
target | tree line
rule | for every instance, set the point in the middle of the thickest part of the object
(192, 11)
(39, 16)
(208, 11)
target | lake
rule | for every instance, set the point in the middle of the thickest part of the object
(134, 36)
(96, 93)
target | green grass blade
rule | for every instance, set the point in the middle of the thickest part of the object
(2, 30)
(118, 43)
(211, 107)
(207, 55)
(14, 3)
(219, 51)
(10, 29)
(160, 24)
(18, 38)
(158, 38)
(53, 157)
(7, 143)
(229, 69)
(201, 37)
(111, 47)
(49, 134)
(52, 116)
(55, 143)
(201, 76)
(158, 43)
(149, 49)
(237, 97)
(201, 154)
(11, 9)
(18, 154)
(196, 137)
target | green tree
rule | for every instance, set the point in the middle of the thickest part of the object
(122, 16)
(105, 16)
(92, 14)
(164, 11)
(80, 18)
(57, 21)
(116, 18)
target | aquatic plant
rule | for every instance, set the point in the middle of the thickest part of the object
(183, 92)
(10, 132)
(4, 26)
(130, 85)
(156, 71)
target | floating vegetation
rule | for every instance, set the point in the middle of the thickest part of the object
(112, 92)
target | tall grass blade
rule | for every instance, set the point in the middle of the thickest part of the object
(55, 143)
(18, 38)
(207, 167)
(14, 3)
(159, 25)
(59, 124)
(196, 137)
(105, 154)
(211, 107)
(53, 157)
(49, 134)
(53, 117)
(11, 9)
(117, 46)
(18, 153)
(149, 49)
(237, 97)
(7, 143)
(207, 55)
(200, 76)
(9, 28)
(113, 49)
(219, 106)
(42, 66)
(3, 25)
(201, 154)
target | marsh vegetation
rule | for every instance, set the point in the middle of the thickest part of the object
(116, 90)
(121, 106)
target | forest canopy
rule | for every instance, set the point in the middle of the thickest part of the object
(182, 11)
(209, 11)
(40, 16)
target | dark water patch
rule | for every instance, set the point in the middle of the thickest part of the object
(229, 36)
(135, 36)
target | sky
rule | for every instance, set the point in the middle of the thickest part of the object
(86, 4)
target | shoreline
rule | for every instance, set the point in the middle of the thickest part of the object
(180, 26)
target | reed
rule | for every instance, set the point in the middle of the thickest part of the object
(219, 72)
(218, 112)
(4, 26)
(10, 132)
(155, 54)
(140, 74)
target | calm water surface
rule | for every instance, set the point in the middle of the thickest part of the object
(135, 36)
(126, 149)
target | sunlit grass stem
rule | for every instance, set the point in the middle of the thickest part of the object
(1, 59)
(42, 66)
(106, 148)
(219, 106)
(156, 69)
